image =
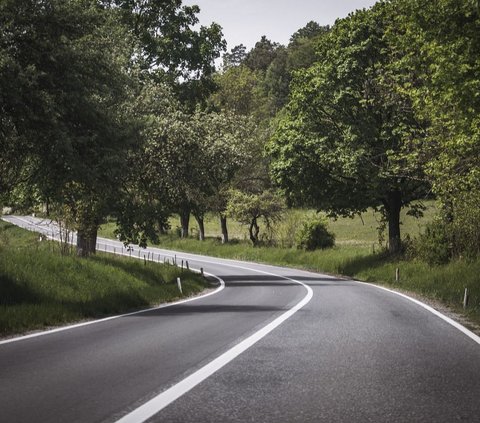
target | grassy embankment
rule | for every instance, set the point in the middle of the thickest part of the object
(40, 288)
(354, 256)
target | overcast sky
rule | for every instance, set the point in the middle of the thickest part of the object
(245, 21)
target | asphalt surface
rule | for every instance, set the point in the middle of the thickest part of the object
(353, 353)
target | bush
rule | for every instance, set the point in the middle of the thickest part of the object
(455, 233)
(465, 225)
(314, 235)
(434, 245)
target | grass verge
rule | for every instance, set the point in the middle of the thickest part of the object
(40, 288)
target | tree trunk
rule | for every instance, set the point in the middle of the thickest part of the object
(201, 227)
(47, 207)
(161, 227)
(223, 225)
(393, 208)
(86, 241)
(184, 222)
(253, 231)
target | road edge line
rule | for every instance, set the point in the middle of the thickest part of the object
(437, 313)
(118, 316)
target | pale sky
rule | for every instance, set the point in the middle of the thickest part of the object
(245, 21)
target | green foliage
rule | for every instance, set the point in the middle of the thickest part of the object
(70, 72)
(262, 55)
(339, 144)
(314, 235)
(65, 110)
(438, 67)
(235, 57)
(434, 245)
(187, 163)
(166, 39)
(465, 224)
(248, 209)
(238, 91)
(302, 46)
(455, 234)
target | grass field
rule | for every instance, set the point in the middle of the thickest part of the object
(357, 254)
(40, 288)
(360, 230)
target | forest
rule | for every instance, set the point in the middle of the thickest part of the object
(114, 109)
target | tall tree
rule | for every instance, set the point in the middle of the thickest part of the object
(260, 57)
(302, 47)
(340, 143)
(235, 57)
(238, 91)
(440, 52)
(226, 143)
(64, 109)
(169, 47)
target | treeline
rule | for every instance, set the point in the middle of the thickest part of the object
(115, 108)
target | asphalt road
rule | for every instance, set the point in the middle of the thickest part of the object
(275, 345)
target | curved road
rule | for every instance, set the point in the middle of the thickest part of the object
(275, 345)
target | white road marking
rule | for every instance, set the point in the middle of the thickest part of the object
(155, 405)
(91, 322)
(106, 319)
(162, 400)
(437, 313)
(450, 321)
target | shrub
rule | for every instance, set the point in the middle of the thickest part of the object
(314, 235)
(434, 245)
(455, 233)
(465, 225)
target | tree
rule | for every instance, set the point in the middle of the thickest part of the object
(248, 209)
(168, 45)
(171, 47)
(65, 108)
(438, 67)
(237, 92)
(440, 47)
(260, 57)
(311, 30)
(276, 82)
(226, 144)
(186, 164)
(340, 145)
(235, 57)
(302, 47)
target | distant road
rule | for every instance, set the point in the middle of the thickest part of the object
(275, 345)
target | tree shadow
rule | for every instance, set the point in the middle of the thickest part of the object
(189, 309)
(271, 280)
(13, 292)
(145, 272)
(356, 265)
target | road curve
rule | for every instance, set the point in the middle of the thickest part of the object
(352, 353)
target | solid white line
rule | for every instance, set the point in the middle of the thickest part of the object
(450, 321)
(92, 322)
(155, 405)
(437, 313)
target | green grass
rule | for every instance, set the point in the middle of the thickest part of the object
(40, 288)
(357, 255)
